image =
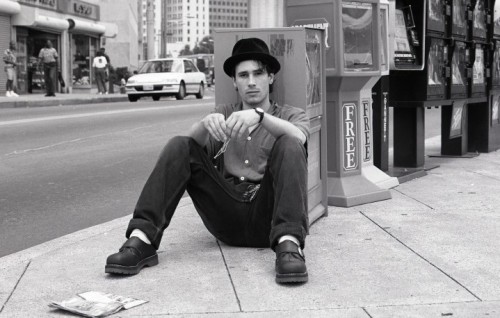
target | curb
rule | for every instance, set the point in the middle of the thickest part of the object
(30, 253)
(61, 102)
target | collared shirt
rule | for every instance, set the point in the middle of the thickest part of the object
(48, 55)
(9, 58)
(246, 157)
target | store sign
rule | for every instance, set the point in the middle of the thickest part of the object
(367, 130)
(47, 4)
(81, 9)
(349, 114)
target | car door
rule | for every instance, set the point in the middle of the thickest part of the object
(190, 73)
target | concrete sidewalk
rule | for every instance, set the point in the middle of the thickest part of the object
(39, 100)
(430, 251)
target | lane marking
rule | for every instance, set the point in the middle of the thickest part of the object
(111, 112)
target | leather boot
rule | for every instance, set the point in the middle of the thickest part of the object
(132, 257)
(290, 263)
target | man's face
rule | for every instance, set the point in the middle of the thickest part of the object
(252, 81)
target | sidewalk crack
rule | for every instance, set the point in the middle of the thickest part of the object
(15, 287)
(406, 195)
(230, 277)
(422, 257)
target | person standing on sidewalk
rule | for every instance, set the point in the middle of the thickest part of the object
(48, 58)
(100, 66)
(9, 58)
(245, 169)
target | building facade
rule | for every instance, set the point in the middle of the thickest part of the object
(266, 14)
(187, 22)
(229, 14)
(77, 29)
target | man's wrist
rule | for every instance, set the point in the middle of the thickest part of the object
(260, 112)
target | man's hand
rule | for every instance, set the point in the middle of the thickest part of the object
(216, 126)
(239, 122)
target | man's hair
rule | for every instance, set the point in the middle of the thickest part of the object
(262, 66)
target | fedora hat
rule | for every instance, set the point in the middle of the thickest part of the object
(251, 49)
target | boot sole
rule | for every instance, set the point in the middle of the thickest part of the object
(292, 278)
(131, 270)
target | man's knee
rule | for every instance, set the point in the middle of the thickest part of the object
(289, 146)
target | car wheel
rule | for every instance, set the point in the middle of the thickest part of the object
(201, 91)
(182, 92)
(132, 98)
(156, 98)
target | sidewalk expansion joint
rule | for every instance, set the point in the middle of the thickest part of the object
(366, 312)
(230, 277)
(421, 256)
(483, 175)
(406, 195)
(15, 287)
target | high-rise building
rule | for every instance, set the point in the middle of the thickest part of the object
(266, 14)
(187, 22)
(156, 31)
(228, 14)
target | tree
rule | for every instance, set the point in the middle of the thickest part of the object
(206, 45)
(186, 50)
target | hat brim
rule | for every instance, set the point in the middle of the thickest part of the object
(267, 59)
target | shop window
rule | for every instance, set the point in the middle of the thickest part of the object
(83, 50)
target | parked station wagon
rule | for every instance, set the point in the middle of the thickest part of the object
(166, 77)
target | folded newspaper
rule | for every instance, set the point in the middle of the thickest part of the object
(97, 304)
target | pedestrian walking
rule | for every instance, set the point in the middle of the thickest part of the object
(9, 58)
(100, 66)
(48, 58)
(244, 166)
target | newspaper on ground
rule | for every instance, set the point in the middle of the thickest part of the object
(127, 302)
(97, 304)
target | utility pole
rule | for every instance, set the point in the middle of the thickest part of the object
(163, 42)
(150, 25)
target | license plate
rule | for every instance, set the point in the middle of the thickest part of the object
(147, 87)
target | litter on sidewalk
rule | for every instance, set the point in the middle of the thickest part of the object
(97, 304)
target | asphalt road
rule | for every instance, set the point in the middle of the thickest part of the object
(66, 168)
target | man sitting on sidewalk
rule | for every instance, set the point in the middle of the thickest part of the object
(245, 169)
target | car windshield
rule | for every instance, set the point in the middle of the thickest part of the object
(165, 66)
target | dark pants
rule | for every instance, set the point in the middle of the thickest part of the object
(100, 78)
(279, 208)
(50, 79)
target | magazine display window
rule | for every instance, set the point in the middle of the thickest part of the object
(495, 66)
(460, 56)
(479, 19)
(459, 17)
(496, 19)
(436, 17)
(478, 84)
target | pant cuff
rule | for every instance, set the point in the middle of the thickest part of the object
(294, 229)
(153, 234)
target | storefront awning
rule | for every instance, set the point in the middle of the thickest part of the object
(50, 23)
(9, 7)
(39, 21)
(87, 27)
(111, 30)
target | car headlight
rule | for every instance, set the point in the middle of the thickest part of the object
(171, 81)
(130, 81)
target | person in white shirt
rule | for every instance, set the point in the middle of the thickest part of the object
(100, 65)
(9, 59)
